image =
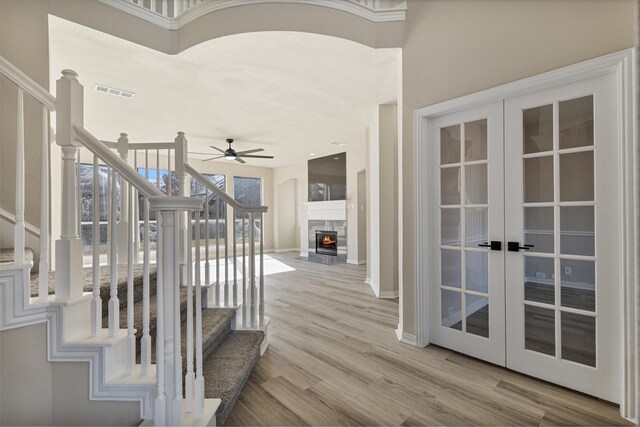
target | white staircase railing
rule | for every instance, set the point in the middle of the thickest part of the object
(224, 291)
(180, 258)
(225, 266)
(173, 14)
(47, 103)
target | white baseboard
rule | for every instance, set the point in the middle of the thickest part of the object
(286, 250)
(304, 254)
(356, 261)
(371, 283)
(388, 294)
(406, 338)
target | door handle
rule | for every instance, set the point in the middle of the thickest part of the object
(495, 245)
(515, 247)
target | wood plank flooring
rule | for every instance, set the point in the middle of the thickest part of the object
(334, 359)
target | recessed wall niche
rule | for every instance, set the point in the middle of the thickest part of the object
(328, 178)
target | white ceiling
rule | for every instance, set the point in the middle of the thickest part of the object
(290, 93)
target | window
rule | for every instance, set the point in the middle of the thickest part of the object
(156, 177)
(217, 228)
(87, 201)
(247, 191)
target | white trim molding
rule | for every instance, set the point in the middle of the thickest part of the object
(406, 338)
(623, 64)
(388, 294)
(356, 261)
(370, 13)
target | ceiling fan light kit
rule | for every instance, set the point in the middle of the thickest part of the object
(231, 154)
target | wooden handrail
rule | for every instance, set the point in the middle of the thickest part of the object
(112, 160)
(27, 84)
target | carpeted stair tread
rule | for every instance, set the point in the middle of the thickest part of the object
(8, 255)
(228, 367)
(105, 283)
(138, 313)
(216, 324)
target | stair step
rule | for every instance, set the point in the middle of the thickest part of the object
(105, 284)
(138, 314)
(8, 255)
(227, 369)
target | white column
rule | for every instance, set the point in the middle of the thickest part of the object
(169, 357)
(69, 113)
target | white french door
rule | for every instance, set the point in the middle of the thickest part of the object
(524, 255)
(562, 191)
(468, 276)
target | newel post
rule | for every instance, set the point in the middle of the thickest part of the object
(123, 223)
(69, 113)
(184, 189)
(168, 351)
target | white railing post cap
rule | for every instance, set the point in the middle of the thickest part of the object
(69, 74)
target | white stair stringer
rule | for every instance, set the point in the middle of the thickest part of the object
(69, 340)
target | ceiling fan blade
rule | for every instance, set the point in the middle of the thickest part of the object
(196, 152)
(216, 148)
(257, 150)
(212, 158)
(256, 157)
(239, 160)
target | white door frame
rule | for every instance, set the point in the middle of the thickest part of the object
(623, 65)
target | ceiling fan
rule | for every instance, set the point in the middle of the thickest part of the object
(231, 154)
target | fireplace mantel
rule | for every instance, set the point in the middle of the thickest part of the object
(330, 210)
(328, 216)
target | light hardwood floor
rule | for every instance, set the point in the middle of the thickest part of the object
(334, 359)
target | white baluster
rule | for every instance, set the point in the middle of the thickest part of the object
(261, 303)
(79, 198)
(165, 8)
(244, 270)
(226, 257)
(235, 261)
(19, 229)
(177, 8)
(43, 268)
(252, 267)
(131, 338)
(169, 192)
(158, 169)
(189, 378)
(217, 288)
(96, 302)
(114, 303)
(145, 344)
(207, 275)
(199, 384)
(177, 366)
(161, 408)
(123, 224)
(136, 215)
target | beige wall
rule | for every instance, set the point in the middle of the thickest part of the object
(37, 392)
(454, 48)
(382, 199)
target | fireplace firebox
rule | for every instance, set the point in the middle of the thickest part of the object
(327, 242)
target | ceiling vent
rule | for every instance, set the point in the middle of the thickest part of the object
(113, 91)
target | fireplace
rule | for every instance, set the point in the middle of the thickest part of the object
(327, 242)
